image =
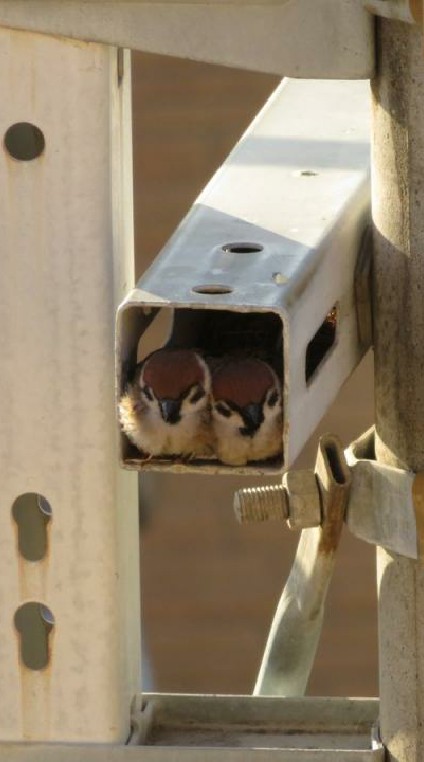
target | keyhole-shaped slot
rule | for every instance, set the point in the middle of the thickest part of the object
(34, 621)
(32, 513)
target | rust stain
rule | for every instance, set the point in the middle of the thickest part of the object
(334, 507)
(418, 500)
(334, 481)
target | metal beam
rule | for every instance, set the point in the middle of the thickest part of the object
(193, 728)
(296, 188)
(324, 39)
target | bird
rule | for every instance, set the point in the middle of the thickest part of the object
(246, 411)
(165, 409)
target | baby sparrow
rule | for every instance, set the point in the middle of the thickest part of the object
(247, 416)
(165, 410)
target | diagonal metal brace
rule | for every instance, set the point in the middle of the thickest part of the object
(296, 628)
(352, 487)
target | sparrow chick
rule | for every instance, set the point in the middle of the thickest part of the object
(165, 410)
(247, 419)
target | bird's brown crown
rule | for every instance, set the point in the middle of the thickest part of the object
(242, 381)
(171, 372)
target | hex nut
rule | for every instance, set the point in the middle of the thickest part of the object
(303, 497)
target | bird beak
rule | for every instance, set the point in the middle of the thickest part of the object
(254, 415)
(170, 410)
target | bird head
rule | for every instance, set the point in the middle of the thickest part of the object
(173, 383)
(245, 393)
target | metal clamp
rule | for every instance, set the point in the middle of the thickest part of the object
(304, 498)
(373, 511)
(296, 628)
(386, 505)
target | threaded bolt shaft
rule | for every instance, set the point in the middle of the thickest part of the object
(261, 504)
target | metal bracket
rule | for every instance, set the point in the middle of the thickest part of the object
(386, 505)
(265, 261)
(373, 510)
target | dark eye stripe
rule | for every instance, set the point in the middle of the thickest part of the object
(222, 410)
(147, 393)
(197, 396)
(273, 399)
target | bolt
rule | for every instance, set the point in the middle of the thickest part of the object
(261, 503)
(297, 500)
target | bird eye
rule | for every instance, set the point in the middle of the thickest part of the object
(222, 409)
(273, 399)
(147, 393)
(197, 394)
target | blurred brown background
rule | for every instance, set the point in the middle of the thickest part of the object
(209, 585)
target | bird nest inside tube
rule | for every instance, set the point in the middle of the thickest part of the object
(206, 396)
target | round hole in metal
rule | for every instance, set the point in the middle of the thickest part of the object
(24, 141)
(242, 247)
(212, 288)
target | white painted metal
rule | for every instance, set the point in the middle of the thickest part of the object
(66, 259)
(196, 728)
(298, 38)
(298, 185)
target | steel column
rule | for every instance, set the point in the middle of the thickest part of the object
(398, 200)
(65, 261)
